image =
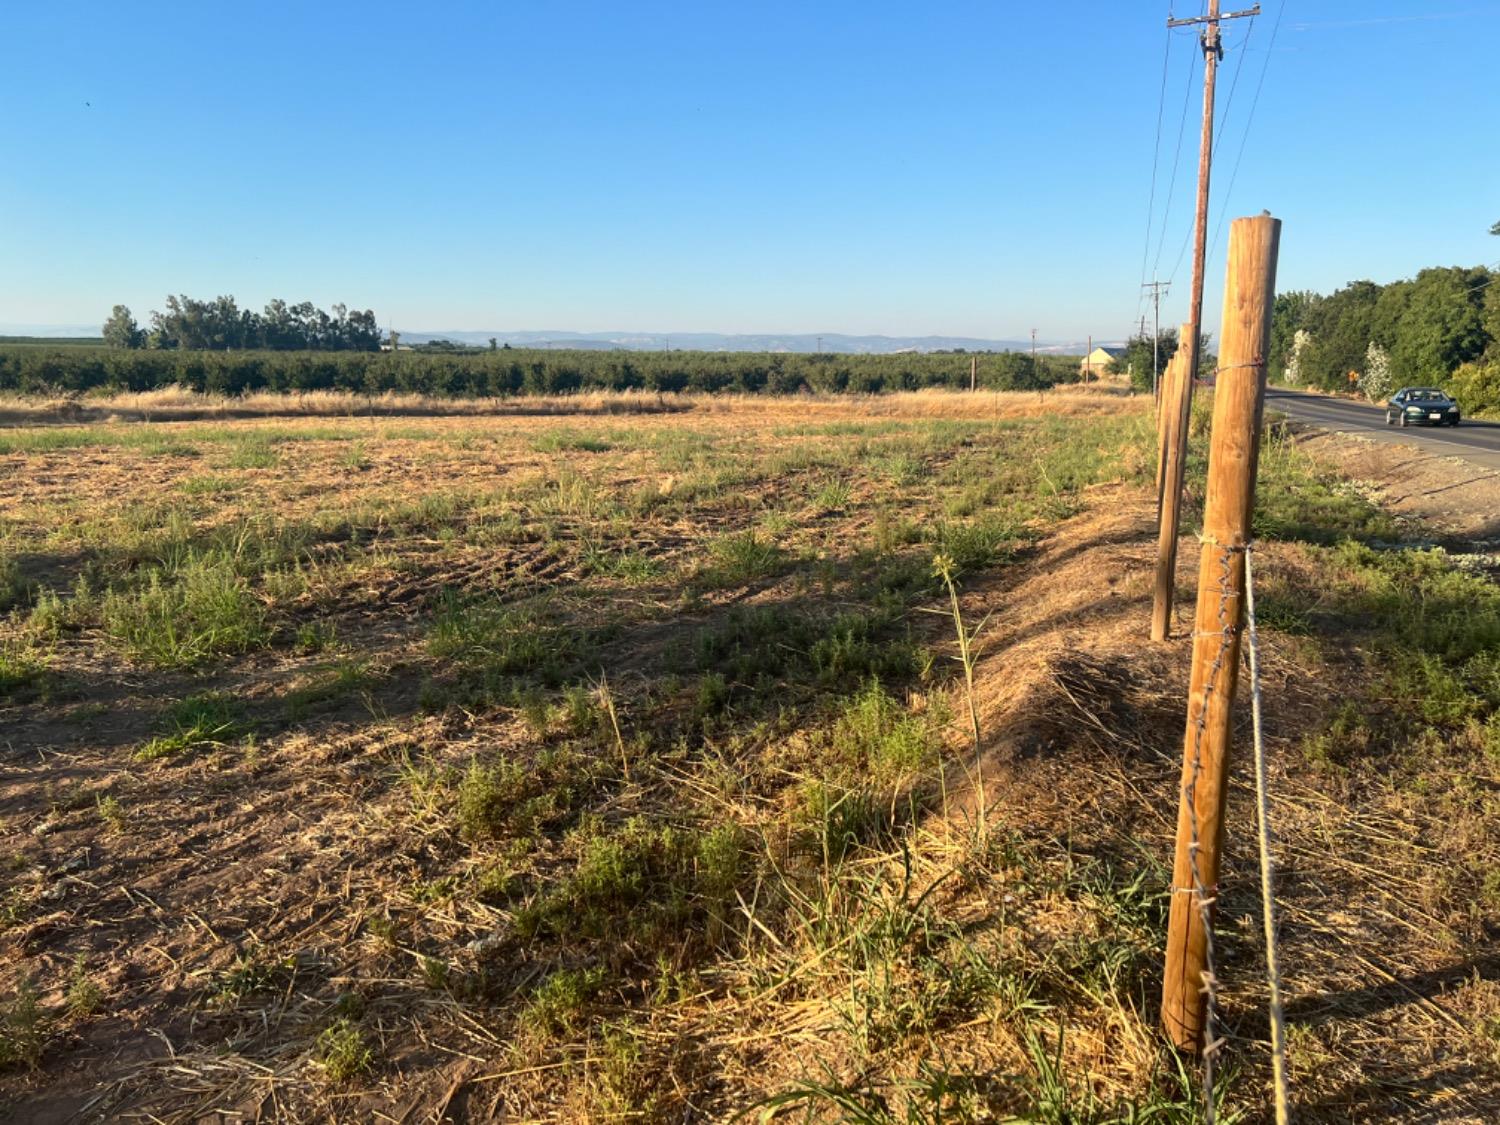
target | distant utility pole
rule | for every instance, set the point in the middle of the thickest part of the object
(1169, 517)
(1157, 289)
(820, 345)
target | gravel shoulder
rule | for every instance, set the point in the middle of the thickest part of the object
(1455, 499)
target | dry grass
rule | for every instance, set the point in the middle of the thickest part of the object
(178, 404)
(401, 854)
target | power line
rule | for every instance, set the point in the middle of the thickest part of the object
(1161, 106)
(1249, 119)
(1239, 64)
(1187, 93)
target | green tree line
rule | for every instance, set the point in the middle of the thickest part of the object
(515, 371)
(221, 325)
(1440, 328)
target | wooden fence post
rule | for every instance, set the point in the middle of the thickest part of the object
(1166, 420)
(1233, 450)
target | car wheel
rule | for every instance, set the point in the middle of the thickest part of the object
(1454, 422)
(1403, 421)
(1389, 421)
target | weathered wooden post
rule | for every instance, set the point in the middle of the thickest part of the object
(1166, 421)
(1233, 450)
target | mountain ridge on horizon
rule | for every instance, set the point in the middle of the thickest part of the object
(562, 339)
(831, 342)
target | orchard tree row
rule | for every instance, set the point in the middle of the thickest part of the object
(513, 371)
(221, 325)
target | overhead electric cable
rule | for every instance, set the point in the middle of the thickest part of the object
(1239, 63)
(1161, 106)
(1249, 119)
(1176, 159)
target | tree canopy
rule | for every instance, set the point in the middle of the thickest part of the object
(121, 330)
(1426, 328)
(221, 325)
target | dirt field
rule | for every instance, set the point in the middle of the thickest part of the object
(615, 764)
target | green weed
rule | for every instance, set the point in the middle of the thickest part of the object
(23, 1028)
(342, 1051)
(84, 996)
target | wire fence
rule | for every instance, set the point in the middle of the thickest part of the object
(1232, 610)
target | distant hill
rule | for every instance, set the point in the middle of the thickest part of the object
(720, 342)
(832, 342)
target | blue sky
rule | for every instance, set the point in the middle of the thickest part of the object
(964, 168)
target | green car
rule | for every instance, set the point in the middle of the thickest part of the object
(1421, 406)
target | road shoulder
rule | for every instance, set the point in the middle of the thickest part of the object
(1450, 496)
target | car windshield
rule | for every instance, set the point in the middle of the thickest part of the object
(1427, 396)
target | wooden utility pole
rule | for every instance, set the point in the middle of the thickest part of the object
(973, 372)
(1169, 517)
(1167, 418)
(1228, 504)
(1157, 289)
(1088, 361)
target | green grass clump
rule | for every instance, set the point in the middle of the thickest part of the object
(755, 648)
(1296, 498)
(209, 718)
(21, 664)
(738, 559)
(487, 793)
(977, 544)
(208, 486)
(253, 453)
(570, 441)
(1429, 643)
(489, 645)
(204, 611)
(877, 732)
(658, 885)
(831, 820)
(506, 797)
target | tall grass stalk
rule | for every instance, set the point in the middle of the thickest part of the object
(607, 699)
(943, 567)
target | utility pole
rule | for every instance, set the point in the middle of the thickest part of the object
(820, 345)
(973, 372)
(1169, 517)
(1157, 289)
(1088, 360)
(1227, 510)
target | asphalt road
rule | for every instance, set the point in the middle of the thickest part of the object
(1478, 442)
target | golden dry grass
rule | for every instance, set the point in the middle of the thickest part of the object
(176, 404)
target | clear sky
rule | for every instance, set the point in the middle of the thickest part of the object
(975, 168)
